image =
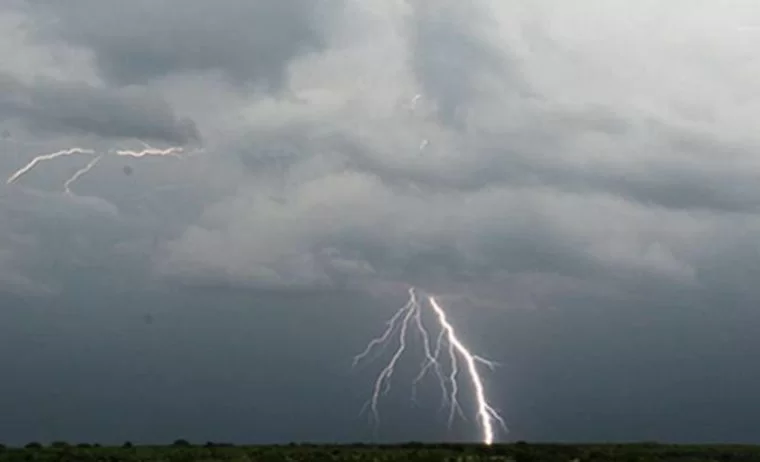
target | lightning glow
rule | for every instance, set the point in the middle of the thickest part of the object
(410, 316)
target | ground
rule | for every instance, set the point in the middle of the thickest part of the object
(181, 451)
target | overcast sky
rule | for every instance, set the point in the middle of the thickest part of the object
(578, 181)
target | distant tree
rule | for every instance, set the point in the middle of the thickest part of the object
(84, 445)
(59, 444)
(412, 445)
(181, 443)
(33, 445)
(2, 447)
(127, 444)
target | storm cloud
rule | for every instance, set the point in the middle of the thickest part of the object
(74, 108)
(436, 143)
(549, 157)
(245, 41)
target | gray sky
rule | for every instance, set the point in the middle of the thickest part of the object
(578, 182)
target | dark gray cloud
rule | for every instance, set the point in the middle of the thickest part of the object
(218, 362)
(509, 181)
(75, 108)
(246, 41)
(513, 160)
(455, 58)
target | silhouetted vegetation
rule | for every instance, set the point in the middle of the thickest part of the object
(183, 451)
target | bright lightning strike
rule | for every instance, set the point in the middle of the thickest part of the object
(410, 316)
(486, 413)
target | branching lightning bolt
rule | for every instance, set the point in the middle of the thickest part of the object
(174, 151)
(410, 316)
(486, 413)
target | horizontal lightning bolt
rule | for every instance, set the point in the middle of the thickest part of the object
(173, 151)
(148, 151)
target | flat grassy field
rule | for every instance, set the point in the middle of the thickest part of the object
(518, 452)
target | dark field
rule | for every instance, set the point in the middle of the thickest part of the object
(518, 452)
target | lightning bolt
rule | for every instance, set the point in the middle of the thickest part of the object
(486, 413)
(383, 382)
(410, 316)
(28, 167)
(149, 151)
(79, 173)
(174, 151)
(413, 102)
